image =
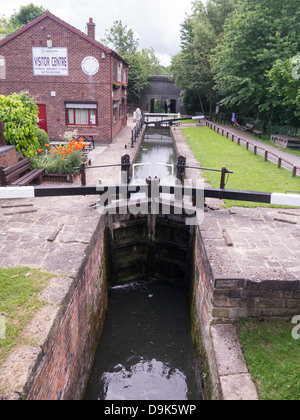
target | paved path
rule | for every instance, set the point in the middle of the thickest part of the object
(27, 226)
(293, 159)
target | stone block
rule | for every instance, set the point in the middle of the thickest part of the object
(238, 388)
(228, 353)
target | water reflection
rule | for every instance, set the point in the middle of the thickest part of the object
(157, 149)
(145, 380)
(146, 351)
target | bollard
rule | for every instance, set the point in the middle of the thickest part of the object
(224, 172)
(125, 169)
(83, 174)
(181, 162)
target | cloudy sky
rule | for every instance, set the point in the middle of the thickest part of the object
(156, 23)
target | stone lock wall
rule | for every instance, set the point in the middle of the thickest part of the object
(65, 368)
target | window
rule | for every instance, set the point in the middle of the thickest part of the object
(81, 114)
(115, 111)
(2, 67)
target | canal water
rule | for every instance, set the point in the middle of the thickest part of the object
(146, 350)
(157, 156)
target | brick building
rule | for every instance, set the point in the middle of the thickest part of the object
(77, 82)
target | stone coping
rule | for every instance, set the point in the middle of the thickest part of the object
(5, 149)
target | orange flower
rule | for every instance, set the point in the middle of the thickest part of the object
(40, 150)
(47, 145)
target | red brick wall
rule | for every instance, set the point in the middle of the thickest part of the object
(66, 366)
(8, 157)
(76, 87)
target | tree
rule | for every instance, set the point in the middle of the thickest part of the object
(284, 90)
(141, 63)
(25, 15)
(258, 34)
(199, 34)
(121, 39)
(19, 113)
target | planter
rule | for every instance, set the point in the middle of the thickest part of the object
(116, 85)
(67, 178)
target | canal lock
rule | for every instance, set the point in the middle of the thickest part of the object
(146, 349)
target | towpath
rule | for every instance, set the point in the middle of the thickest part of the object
(274, 153)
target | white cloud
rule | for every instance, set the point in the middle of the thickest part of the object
(156, 23)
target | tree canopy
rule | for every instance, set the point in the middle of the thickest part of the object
(25, 15)
(254, 53)
(191, 68)
(141, 63)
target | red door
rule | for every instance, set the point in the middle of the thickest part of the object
(42, 118)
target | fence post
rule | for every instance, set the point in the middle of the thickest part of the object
(294, 171)
(279, 162)
(125, 169)
(266, 156)
(224, 172)
(181, 162)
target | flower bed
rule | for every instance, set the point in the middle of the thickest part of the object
(59, 162)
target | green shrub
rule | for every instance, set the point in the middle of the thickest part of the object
(20, 113)
(43, 138)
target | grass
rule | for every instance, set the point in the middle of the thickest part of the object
(251, 173)
(19, 288)
(265, 138)
(273, 358)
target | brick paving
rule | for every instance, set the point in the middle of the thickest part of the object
(257, 244)
(53, 233)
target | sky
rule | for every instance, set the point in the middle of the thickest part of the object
(156, 23)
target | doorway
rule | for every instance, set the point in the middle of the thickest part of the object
(42, 117)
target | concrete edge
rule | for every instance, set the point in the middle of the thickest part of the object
(235, 380)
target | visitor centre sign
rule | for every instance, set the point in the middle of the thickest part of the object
(50, 61)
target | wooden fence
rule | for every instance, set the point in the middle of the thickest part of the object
(267, 154)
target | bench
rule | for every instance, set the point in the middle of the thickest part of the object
(257, 133)
(248, 127)
(20, 174)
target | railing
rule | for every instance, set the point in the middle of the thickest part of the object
(181, 166)
(127, 168)
(137, 130)
(265, 153)
(126, 191)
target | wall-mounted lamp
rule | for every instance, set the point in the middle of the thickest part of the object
(49, 41)
(103, 56)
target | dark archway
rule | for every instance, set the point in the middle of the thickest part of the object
(162, 89)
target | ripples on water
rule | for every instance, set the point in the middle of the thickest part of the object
(146, 351)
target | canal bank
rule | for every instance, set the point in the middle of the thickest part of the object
(224, 291)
